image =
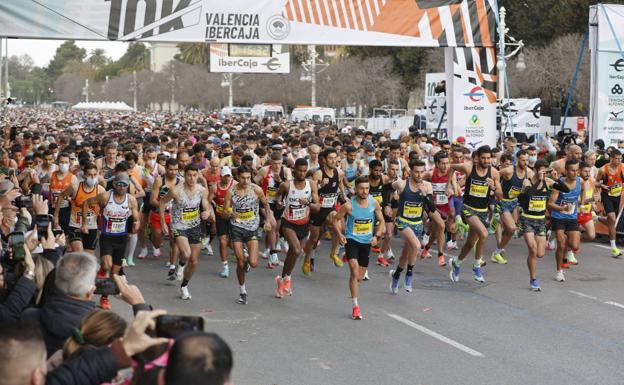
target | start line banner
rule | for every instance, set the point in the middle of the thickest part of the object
(413, 23)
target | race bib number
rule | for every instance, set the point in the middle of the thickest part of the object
(272, 193)
(479, 190)
(190, 214)
(537, 205)
(616, 190)
(586, 208)
(297, 213)
(412, 210)
(440, 198)
(116, 226)
(572, 207)
(246, 215)
(328, 201)
(378, 198)
(362, 227)
(514, 192)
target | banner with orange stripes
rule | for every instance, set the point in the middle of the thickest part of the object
(415, 23)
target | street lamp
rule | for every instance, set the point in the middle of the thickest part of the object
(310, 70)
(228, 82)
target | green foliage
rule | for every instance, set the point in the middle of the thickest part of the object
(193, 53)
(136, 58)
(65, 53)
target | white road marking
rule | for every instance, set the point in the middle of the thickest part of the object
(583, 295)
(615, 304)
(601, 246)
(435, 335)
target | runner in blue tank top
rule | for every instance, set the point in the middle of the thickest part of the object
(362, 212)
(563, 207)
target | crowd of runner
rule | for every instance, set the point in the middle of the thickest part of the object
(120, 185)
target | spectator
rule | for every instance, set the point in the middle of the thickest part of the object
(14, 302)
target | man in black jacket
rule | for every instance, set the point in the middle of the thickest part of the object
(20, 295)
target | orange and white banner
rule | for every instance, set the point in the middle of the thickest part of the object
(414, 23)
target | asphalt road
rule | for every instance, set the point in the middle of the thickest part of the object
(442, 333)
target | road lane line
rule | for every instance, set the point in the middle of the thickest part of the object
(601, 246)
(583, 295)
(435, 335)
(615, 304)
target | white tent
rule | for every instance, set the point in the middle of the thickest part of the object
(103, 106)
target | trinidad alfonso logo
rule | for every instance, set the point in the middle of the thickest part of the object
(474, 120)
(476, 94)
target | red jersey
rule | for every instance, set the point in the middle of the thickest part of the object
(439, 182)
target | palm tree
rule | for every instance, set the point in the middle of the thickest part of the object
(97, 58)
(193, 53)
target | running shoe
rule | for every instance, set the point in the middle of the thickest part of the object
(535, 285)
(184, 293)
(179, 273)
(477, 274)
(336, 260)
(559, 276)
(441, 261)
(225, 272)
(287, 286)
(265, 254)
(130, 260)
(355, 314)
(455, 269)
(124, 262)
(425, 239)
(247, 267)
(451, 245)
(482, 262)
(366, 277)
(394, 283)
(495, 222)
(498, 258)
(571, 258)
(102, 273)
(306, 268)
(551, 245)
(425, 254)
(104, 304)
(209, 248)
(285, 247)
(381, 261)
(408, 283)
(565, 264)
(279, 287)
(328, 235)
(171, 275)
(376, 249)
(242, 299)
(273, 261)
(143, 253)
(615, 252)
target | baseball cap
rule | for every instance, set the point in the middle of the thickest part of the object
(122, 177)
(461, 139)
(226, 170)
(225, 136)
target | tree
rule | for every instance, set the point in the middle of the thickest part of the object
(136, 58)
(97, 58)
(65, 53)
(193, 53)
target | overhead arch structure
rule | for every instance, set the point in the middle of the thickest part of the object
(465, 27)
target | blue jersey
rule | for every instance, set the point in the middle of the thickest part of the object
(571, 198)
(351, 171)
(361, 221)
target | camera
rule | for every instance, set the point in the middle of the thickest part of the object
(16, 247)
(171, 326)
(43, 221)
(24, 201)
(106, 286)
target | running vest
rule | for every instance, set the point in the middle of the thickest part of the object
(108, 171)
(613, 180)
(114, 219)
(439, 182)
(149, 177)
(57, 186)
(212, 179)
(477, 191)
(185, 211)
(75, 219)
(247, 208)
(377, 191)
(589, 197)
(219, 198)
(533, 201)
(512, 187)
(270, 186)
(351, 172)
(361, 222)
(162, 191)
(328, 194)
(411, 204)
(294, 211)
(572, 198)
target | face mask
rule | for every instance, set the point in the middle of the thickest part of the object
(532, 159)
(64, 168)
(91, 181)
(151, 162)
(371, 158)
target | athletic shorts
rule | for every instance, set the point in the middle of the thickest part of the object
(238, 234)
(359, 251)
(532, 225)
(565, 224)
(506, 206)
(301, 231)
(147, 207)
(277, 213)
(584, 218)
(457, 203)
(468, 212)
(417, 228)
(89, 240)
(319, 218)
(610, 204)
(64, 215)
(114, 246)
(223, 226)
(154, 220)
(193, 234)
(444, 211)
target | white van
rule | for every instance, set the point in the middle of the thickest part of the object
(315, 114)
(272, 111)
(239, 111)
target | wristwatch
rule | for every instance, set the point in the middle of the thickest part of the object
(29, 274)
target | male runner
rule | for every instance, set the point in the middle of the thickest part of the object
(389, 208)
(351, 168)
(151, 172)
(300, 197)
(189, 200)
(586, 211)
(242, 203)
(416, 198)
(512, 180)
(563, 208)
(481, 180)
(117, 207)
(610, 177)
(162, 185)
(60, 180)
(217, 195)
(362, 211)
(376, 182)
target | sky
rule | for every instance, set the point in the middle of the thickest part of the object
(42, 51)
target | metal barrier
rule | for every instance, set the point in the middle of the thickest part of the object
(353, 122)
